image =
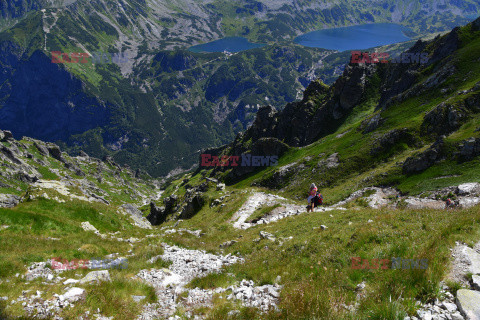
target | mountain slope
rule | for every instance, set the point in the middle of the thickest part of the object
(411, 126)
(96, 108)
(74, 243)
(118, 109)
(414, 128)
(186, 20)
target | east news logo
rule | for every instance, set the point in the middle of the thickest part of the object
(245, 160)
(382, 57)
(396, 263)
(81, 57)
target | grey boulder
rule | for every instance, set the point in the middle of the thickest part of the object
(468, 302)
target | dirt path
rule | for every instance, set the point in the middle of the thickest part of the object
(260, 199)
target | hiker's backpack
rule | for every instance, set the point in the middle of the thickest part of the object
(318, 200)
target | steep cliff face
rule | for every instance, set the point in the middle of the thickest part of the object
(42, 100)
(320, 111)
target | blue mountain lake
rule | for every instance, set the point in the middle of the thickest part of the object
(354, 37)
(230, 44)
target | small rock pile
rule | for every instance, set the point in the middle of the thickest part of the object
(201, 297)
(37, 307)
(169, 284)
(439, 310)
(194, 263)
(262, 297)
(189, 264)
(39, 270)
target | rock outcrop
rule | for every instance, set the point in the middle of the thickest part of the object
(303, 122)
(96, 276)
(388, 140)
(443, 119)
(157, 214)
(425, 159)
(469, 149)
(300, 123)
(180, 208)
(194, 201)
(399, 81)
(136, 215)
(9, 200)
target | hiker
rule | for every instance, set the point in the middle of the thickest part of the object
(449, 204)
(312, 193)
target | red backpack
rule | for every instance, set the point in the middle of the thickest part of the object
(318, 200)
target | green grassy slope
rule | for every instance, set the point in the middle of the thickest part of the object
(315, 267)
(372, 158)
(48, 224)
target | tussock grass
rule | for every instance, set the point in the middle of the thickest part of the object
(316, 269)
(315, 266)
(28, 239)
(114, 299)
